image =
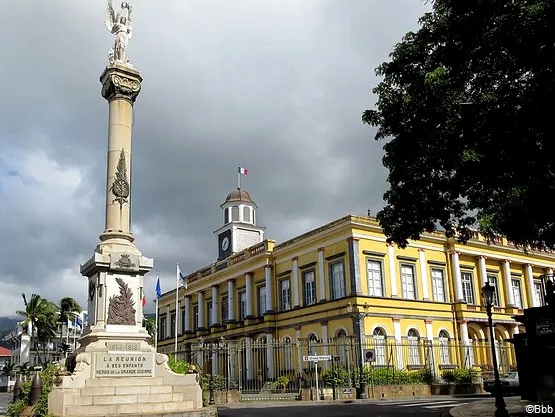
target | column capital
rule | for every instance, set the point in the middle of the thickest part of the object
(296, 258)
(421, 250)
(216, 286)
(298, 328)
(120, 83)
(505, 261)
(324, 322)
(462, 322)
(396, 319)
(428, 321)
(231, 280)
(480, 257)
(321, 249)
(249, 274)
(529, 265)
(352, 239)
(454, 252)
(268, 266)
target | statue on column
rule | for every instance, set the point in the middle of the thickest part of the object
(120, 25)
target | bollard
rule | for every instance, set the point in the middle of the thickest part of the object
(36, 388)
(17, 388)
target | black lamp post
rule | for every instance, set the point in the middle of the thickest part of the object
(357, 316)
(500, 406)
(211, 388)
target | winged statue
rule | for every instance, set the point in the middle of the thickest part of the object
(120, 25)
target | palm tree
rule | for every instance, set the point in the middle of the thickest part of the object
(9, 369)
(150, 325)
(69, 311)
(39, 318)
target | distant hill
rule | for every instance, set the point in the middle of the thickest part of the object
(7, 324)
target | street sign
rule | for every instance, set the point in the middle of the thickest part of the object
(369, 355)
(315, 358)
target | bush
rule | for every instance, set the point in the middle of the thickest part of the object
(460, 376)
(177, 365)
(338, 377)
(392, 376)
(281, 382)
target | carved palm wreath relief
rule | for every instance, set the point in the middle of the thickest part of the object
(120, 307)
(120, 187)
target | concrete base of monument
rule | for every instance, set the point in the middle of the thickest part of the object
(125, 378)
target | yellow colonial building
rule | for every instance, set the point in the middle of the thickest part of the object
(415, 307)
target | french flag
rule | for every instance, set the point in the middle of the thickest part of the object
(242, 171)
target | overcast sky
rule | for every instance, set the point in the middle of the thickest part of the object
(276, 86)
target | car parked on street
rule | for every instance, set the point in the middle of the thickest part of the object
(509, 383)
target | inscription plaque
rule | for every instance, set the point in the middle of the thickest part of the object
(122, 346)
(124, 364)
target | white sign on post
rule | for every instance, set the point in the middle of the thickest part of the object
(316, 359)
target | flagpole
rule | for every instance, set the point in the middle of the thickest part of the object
(176, 304)
(156, 328)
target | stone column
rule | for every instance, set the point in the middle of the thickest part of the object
(299, 353)
(354, 266)
(321, 276)
(430, 344)
(295, 273)
(120, 86)
(200, 299)
(392, 274)
(465, 347)
(187, 314)
(508, 284)
(167, 330)
(429, 330)
(482, 270)
(423, 273)
(457, 274)
(248, 295)
(530, 284)
(214, 318)
(269, 289)
(400, 362)
(230, 300)
(325, 339)
(270, 354)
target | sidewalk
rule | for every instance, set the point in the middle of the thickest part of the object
(486, 408)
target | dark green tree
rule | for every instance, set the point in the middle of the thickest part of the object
(466, 104)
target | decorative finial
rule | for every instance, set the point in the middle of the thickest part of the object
(120, 25)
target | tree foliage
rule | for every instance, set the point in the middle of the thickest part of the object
(466, 102)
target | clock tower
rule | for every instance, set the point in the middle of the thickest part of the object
(239, 230)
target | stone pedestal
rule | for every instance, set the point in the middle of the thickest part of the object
(116, 371)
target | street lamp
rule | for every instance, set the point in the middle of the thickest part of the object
(500, 406)
(357, 316)
(211, 388)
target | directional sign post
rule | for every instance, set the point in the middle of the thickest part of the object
(316, 359)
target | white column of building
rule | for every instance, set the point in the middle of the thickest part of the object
(248, 351)
(295, 273)
(187, 314)
(270, 355)
(321, 275)
(168, 322)
(214, 318)
(269, 289)
(423, 273)
(400, 360)
(430, 345)
(429, 330)
(530, 284)
(392, 274)
(508, 283)
(465, 347)
(230, 300)
(200, 354)
(516, 330)
(457, 275)
(299, 353)
(325, 342)
(248, 294)
(214, 361)
(200, 298)
(482, 269)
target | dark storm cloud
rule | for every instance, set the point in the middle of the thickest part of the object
(277, 87)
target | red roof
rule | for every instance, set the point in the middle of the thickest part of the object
(5, 352)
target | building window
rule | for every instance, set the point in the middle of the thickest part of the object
(438, 285)
(309, 286)
(312, 342)
(195, 318)
(375, 280)
(224, 309)
(467, 287)
(444, 353)
(538, 293)
(261, 300)
(242, 305)
(288, 353)
(408, 283)
(517, 292)
(285, 295)
(172, 321)
(337, 274)
(378, 336)
(209, 312)
(183, 321)
(414, 349)
(162, 333)
(226, 216)
(492, 279)
(235, 213)
(246, 214)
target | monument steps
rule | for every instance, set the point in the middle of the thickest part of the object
(123, 382)
(126, 409)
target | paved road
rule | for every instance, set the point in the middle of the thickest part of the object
(425, 407)
(4, 400)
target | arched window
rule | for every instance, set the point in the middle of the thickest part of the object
(246, 214)
(414, 347)
(341, 347)
(444, 353)
(235, 213)
(226, 216)
(288, 353)
(312, 341)
(378, 337)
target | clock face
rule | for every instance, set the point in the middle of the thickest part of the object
(225, 243)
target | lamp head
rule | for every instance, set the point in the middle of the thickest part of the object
(487, 294)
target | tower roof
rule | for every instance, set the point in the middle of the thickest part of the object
(239, 195)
